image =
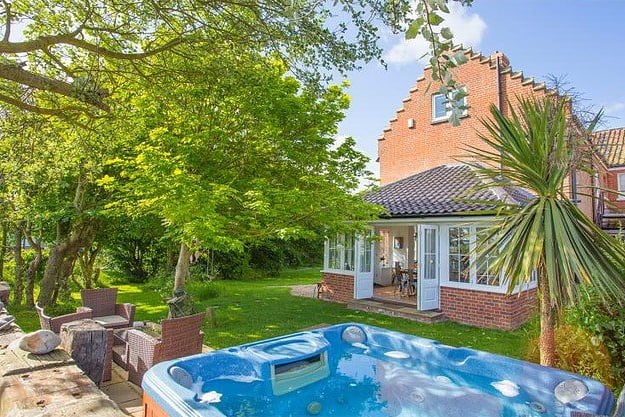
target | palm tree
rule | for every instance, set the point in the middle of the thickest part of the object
(537, 149)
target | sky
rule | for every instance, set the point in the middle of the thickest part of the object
(581, 41)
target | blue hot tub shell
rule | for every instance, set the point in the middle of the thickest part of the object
(284, 366)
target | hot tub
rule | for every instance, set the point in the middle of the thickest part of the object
(351, 369)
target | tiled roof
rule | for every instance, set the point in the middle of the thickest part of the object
(611, 146)
(441, 191)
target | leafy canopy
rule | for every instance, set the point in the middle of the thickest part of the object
(231, 149)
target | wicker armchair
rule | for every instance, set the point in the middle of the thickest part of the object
(106, 311)
(54, 323)
(180, 337)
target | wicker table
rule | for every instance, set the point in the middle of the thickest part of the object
(120, 343)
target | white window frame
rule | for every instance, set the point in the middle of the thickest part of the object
(341, 239)
(448, 105)
(620, 186)
(472, 284)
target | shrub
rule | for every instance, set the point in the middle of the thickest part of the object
(606, 324)
(204, 290)
(577, 351)
(163, 283)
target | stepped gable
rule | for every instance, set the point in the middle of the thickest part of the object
(610, 144)
(440, 191)
(491, 61)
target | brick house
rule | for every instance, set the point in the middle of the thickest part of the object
(429, 233)
(610, 175)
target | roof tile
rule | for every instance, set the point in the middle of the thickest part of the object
(442, 190)
(611, 146)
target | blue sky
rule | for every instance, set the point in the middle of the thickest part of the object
(583, 40)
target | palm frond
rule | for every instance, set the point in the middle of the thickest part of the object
(534, 149)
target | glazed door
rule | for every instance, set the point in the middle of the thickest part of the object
(363, 282)
(429, 289)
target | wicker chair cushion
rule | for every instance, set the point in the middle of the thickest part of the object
(111, 321)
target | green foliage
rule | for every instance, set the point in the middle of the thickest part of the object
(233, 151)
(271, 255)
(606, 325)
(161, 283)
(136, 247)
(206, 290)
(427, 22)
(536, 149)
(578, 351)
(232, 265)
(80, 64)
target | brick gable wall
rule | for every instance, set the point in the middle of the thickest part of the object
(403, 150)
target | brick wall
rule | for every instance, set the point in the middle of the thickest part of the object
(490, 310)
(611, 182)
(405, 150)
(338, 287)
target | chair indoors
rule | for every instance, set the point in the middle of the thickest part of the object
(180, 337)
(54, 323)
(106, 310)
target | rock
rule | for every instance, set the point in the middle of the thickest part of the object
(5, 321)
(40, 342)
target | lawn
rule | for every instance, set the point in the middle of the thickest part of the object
(248, 311)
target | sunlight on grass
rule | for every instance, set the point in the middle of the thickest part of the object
(248, 311)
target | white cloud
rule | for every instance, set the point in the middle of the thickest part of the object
(468, 29)
(614, 108)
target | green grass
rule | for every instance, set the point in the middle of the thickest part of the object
(248, 311)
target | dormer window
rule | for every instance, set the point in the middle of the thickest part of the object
(442, 105)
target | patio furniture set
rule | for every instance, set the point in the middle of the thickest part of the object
(134, 346)
(404, 280)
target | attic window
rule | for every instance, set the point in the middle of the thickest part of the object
(442, 105)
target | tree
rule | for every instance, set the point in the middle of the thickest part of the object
(57, 57)
(233, 150)
(62, 51)
(48, 170)
(537, 148)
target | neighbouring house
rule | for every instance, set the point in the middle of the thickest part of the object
(610, 175)
(429, 231)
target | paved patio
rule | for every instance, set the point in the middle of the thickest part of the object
(125, 394)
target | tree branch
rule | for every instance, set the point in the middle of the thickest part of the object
(44, 42)
(7, 27)
(15, 73)
(59, 112)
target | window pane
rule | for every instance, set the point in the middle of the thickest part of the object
(439, 106)
(365, 254)
(484, 274)
(349, 253)
(459, 249)
(334, 254)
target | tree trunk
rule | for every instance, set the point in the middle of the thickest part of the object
(18, 284)
(547, 342)
(61, 261)
(86, 261)
(31, 275)
(3, 248)
(182, 267)
(33, 268)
